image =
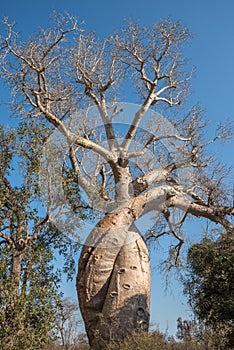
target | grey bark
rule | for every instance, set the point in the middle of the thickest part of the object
(113, 286)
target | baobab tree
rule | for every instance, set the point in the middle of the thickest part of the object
(113, 161)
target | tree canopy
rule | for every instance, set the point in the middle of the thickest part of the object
(210, 283)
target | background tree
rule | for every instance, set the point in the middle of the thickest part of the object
(68, 324)
(29, 283)
(210, 283)
(56, 73)
(184, 329)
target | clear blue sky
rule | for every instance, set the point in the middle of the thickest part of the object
(211, 51)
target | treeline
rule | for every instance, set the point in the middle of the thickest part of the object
(157, 341)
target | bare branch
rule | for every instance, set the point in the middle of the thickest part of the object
(58, 40)
(170, 102)
(38, 228)
(153, 139)
(140, 184)
(80, 141)
(91, 191)
(7, 238)
(136, 121)
(167, 196)
(215, 214)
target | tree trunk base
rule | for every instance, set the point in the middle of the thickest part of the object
(113, 286)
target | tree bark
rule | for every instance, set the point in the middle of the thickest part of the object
(113, 283)
(16, 268)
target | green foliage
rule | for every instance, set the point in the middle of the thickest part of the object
(210, 284)
(157, 341)
(29, 282)
(152, 341)
(27, 314)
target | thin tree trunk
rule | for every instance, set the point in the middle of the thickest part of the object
(11, 307)
(16, 268)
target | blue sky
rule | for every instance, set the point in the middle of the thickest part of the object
(211, 52)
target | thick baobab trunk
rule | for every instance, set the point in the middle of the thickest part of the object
(113, 282)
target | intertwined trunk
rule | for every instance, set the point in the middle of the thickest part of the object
(113, 286)
(113, 281)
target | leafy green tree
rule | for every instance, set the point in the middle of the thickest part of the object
(29, 294)
(210, 284)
